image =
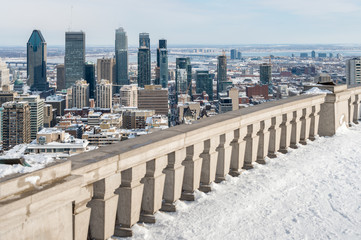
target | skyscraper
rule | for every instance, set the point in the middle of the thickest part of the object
(144, 71)
(16, 124)
(265, 75)
(74, 57)
(204, 83)
(4, 75)
(183, 77)
(60, 77)
(90, 78)
(221, 74)
(162, 64)
(36, 62)
(121, 58)
(353, 71)
(106, 69)
(313, 54)
(103, 94)
(80, 94)
(233, 54)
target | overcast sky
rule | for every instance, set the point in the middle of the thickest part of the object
(184, 21)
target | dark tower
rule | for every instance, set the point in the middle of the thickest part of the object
(144, 71)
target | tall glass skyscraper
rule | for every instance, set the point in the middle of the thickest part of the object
(144, 65)
(221, 74)
(121, 58)
(90, 78)
(183, 77)
(36, 62)
(74, 57)
(265, 75)
(162, 63)
(204, 83)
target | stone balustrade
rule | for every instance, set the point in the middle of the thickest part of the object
(105, 192)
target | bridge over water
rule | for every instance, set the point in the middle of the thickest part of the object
(105, 192)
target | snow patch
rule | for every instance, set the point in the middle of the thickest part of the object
(316, 90)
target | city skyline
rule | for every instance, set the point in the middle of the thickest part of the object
(186, 22)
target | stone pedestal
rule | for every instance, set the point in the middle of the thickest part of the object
(209, 165)
(296, 128)
(356, 109)
(305, 125)
(315, 119)
(224, 156)
(174, 173)
(192, 171)
(104, 207)
(130, 199)
(286, 128)
(264, 139)
(238, 148)
(275, 136)
(251, 139)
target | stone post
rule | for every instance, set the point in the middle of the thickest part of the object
(296, 128)
(209, 164)
(81, 213)
(174, 173)
(356, 107)
(192, 171)
(264, 139)
(224, 156)
(153, 188)
(315, 119)
(104, 207)
(252, 139)
(130, 200)
(238, 149)
(286, 128)
(275, 136)
(306, 124)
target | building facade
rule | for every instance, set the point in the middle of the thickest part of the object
(129, 95)
(183, 77)
(265, 75)
(103, 94)
(121, 58)
(106, 69)
(36, 62)
(4, 75)
(153, 97)
(204, 83)
(16, 124)
(221, 74)
(80, 94)
(90, 78)
(60, 77)
(74, 57)
(353, 71)
(144, 60)
(162, 64)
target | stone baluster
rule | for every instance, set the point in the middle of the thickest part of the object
(224, 156)
(81, 213)
(306, 124)
(296, 128)
(153, 188)
(174, 173)
(351, 109)
(209, 164)
(104, 207)
(286, 128)
(356, 107)
(130, 200)
(275, 136)
(238, 149)
(192, 171)
(252, 139)
(264, 139)
(315, 119)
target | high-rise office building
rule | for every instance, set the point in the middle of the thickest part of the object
(16, 124)
(162, 64)
(4, 75)
(60, 77)
(265, 75)
(106, 69)
(36, 112)
(183, 77)
(80, 94)
(7, 96)
(153, 97)
(204, 83)
(233, 54)
(74, 57)
(129, 95)
(90, 78)
(353, 71)
(36, 62)
(103, 94)
(144, 61)
(222, 74)
(121, 58)
(313, 54)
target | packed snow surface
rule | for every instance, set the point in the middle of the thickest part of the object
(313, 192)
(316, 90)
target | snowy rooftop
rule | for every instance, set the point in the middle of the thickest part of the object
(313, 192)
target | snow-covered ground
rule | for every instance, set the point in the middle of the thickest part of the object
(313, 192)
